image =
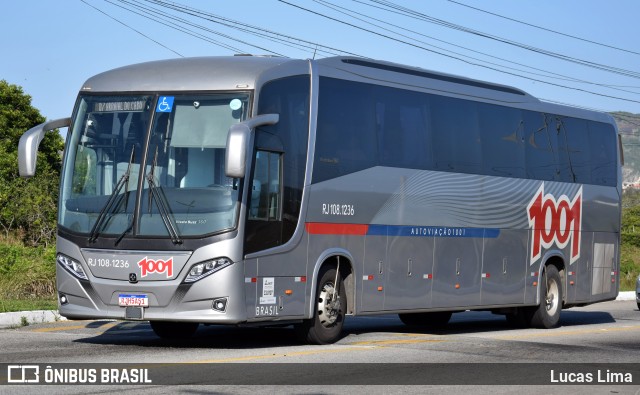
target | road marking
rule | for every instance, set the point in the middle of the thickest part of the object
(382, 343)
(430, 336)
(59, 328)
(74, 327)
(357, 346)
(552, 333)
(291, 354)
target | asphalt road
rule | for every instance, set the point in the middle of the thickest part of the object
(605, 333)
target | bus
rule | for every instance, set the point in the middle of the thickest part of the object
(249, 190)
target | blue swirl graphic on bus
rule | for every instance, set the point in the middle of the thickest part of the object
(165, 104)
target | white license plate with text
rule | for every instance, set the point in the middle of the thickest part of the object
(133, 300)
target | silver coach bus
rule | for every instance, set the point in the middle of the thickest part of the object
(256, 190)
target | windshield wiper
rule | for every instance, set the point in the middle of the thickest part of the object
(123, 234)
(156, 194)
(111, 205)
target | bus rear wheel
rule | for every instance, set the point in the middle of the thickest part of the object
(547, 314)
(437, 319)
(329, 310)
(174, 330)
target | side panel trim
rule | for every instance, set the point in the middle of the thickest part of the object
(327, 228)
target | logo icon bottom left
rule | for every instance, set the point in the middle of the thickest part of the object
(23, 374)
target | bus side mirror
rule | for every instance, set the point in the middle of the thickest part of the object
(29, 143)
(236, 154)
(235, 160)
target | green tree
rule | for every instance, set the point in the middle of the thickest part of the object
(28, 207)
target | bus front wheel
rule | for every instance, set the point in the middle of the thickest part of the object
(329, 310)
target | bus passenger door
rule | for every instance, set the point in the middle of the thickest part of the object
(264, 222)
(274, 287)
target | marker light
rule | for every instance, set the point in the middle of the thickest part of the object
(72, 266)
(203, 269)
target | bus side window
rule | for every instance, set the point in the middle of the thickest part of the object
(604, 170)
(574, 145)
(541, 150)
(266, 187)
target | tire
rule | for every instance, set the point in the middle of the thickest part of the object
(328, 317)
(437, 319)
(547, 314)
(174, 330)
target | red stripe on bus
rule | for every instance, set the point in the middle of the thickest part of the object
(321, 228)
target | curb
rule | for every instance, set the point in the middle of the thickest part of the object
(627, 295)
(24, 318)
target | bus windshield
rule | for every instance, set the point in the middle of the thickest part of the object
(180, 190)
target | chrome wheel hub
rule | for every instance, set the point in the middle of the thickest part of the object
(328, 305)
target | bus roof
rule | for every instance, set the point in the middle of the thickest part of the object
(243, 72)
(185, 74)
(377, 68)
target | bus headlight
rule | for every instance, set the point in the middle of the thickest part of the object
(203, 269)
(72, 266)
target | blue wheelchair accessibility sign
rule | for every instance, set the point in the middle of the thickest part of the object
(165, 104)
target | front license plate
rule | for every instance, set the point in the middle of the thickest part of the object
(140, 300)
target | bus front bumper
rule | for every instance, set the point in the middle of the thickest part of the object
(216, 299)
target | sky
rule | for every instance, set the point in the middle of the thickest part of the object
(50, 47)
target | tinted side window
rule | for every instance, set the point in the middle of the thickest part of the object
(563, 162)
(603, 142)
(456, 136)
(402, 120)
(363, 125)
(503, 140)
(541, 147)
(346, 131)
(573, 139)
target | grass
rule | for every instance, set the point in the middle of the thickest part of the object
(27, 276)
(629, 266)
(9, 305)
